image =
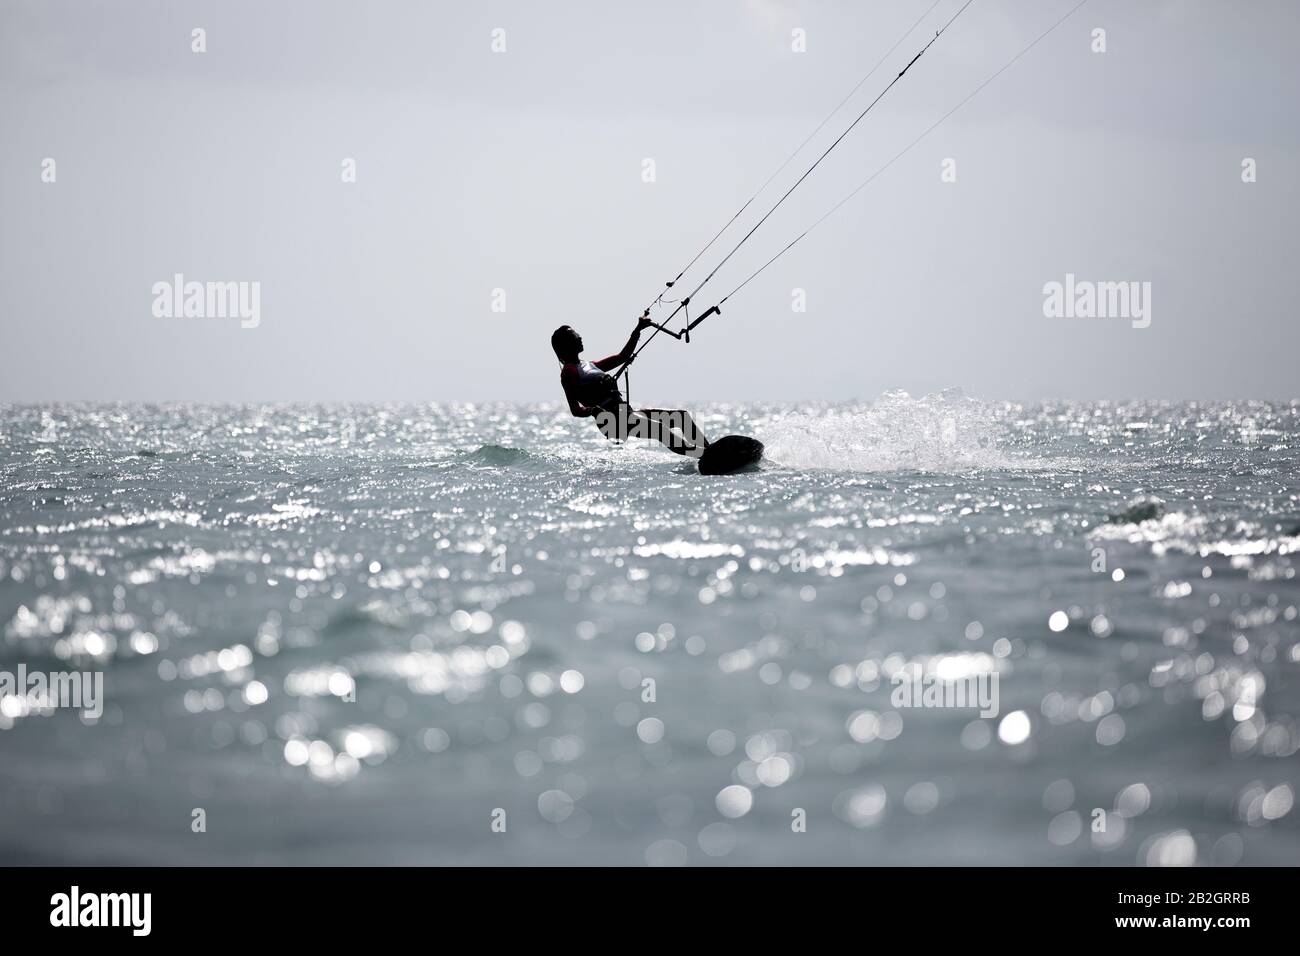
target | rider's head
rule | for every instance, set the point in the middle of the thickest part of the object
(567, 343)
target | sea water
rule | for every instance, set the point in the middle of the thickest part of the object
(473, 634)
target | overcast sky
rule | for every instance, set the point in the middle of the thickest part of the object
(522, 171)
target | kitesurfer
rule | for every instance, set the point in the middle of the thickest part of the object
(592, 392)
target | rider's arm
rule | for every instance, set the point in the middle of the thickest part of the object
(570, 382)
(625, 356)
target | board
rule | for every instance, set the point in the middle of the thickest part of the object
(729, 454)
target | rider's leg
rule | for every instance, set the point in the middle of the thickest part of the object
(680, 421)
(647, 425)
(616, 425)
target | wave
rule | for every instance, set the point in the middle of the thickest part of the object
(501, 456)
(1138, 511)
(943, 432)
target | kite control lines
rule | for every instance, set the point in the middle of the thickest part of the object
(683, 305)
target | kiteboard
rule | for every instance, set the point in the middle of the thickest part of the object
(729, 454)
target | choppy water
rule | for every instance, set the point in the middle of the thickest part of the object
(351, 634)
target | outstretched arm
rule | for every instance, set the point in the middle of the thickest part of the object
(622, 358)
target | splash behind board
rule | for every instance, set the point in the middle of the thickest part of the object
(730, 453)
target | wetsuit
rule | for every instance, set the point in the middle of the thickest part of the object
(591, 385)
